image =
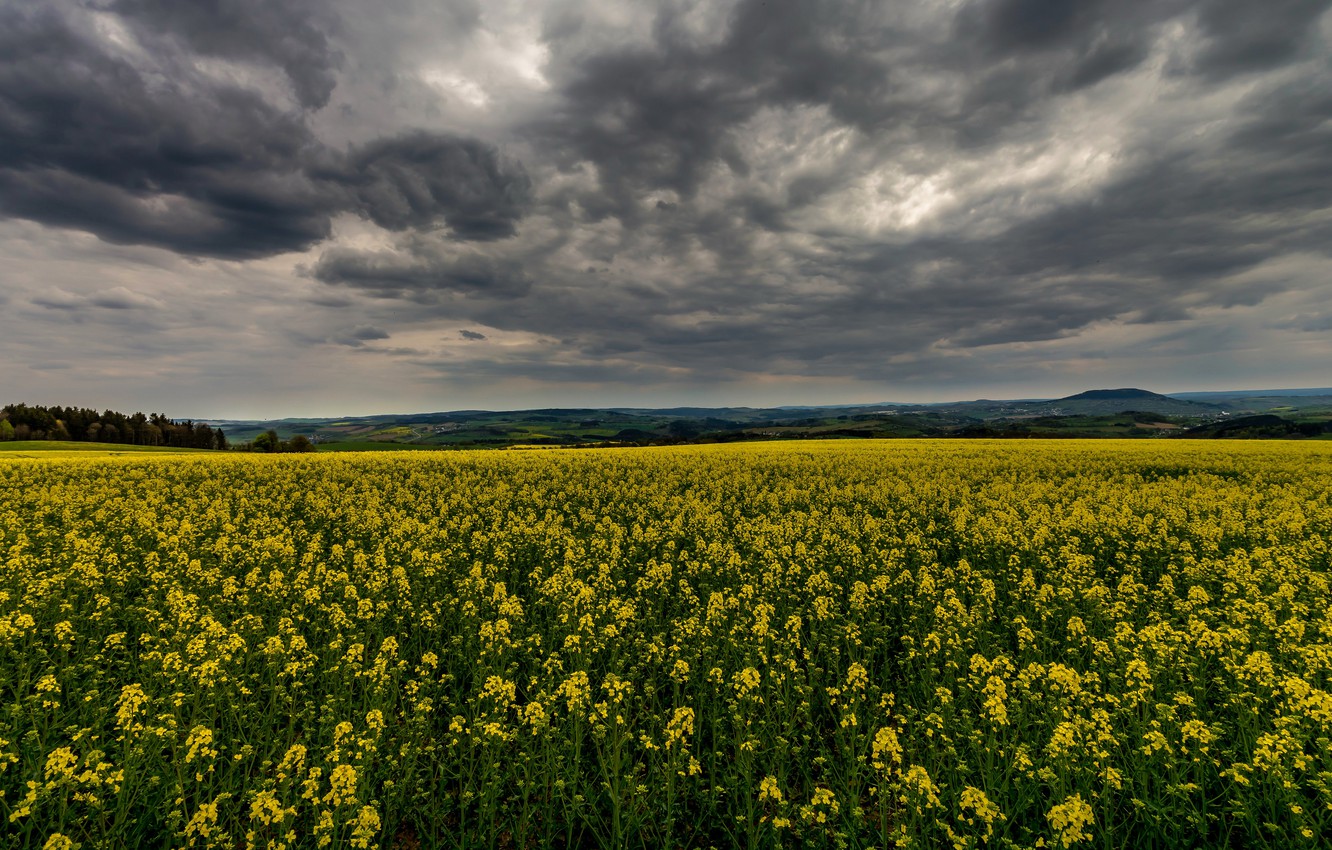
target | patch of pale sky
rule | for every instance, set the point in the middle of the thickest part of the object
(357, 233)
(779, 142)
(517, 49)
(453, 84)
(113, 31)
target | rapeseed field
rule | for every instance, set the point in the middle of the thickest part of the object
(858, 644)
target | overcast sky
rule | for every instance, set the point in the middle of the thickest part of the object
(248, 208)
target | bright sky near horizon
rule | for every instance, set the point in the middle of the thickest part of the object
(266, 208)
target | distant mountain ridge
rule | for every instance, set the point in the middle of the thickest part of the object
(1099, 402)
(1124, 399)
(1123, 393)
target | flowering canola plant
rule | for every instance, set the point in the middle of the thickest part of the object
(869, 644)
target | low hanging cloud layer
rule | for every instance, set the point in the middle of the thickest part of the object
(763, 201)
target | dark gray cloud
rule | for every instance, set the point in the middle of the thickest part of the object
(140, 146)
(422, 273)
(293, 35)
(355, 338)
(117, 298)
(1245, 37)
(692, 194)
(369, 332)
(1152, 243)
(414, 181)
(88, 141)
(120, 298)
(665, 114)
(58, 301)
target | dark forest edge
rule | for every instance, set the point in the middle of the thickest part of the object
(20, 422)
(26, 422)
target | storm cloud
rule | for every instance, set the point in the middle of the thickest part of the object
(114, 122)
(669, 200)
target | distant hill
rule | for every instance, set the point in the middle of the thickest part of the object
(1123, 393)
(1089, 403)
(1125, 399)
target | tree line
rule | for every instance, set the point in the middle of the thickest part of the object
(270, 443)
(84, 425)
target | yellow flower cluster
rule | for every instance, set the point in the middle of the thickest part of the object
(962, 643)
